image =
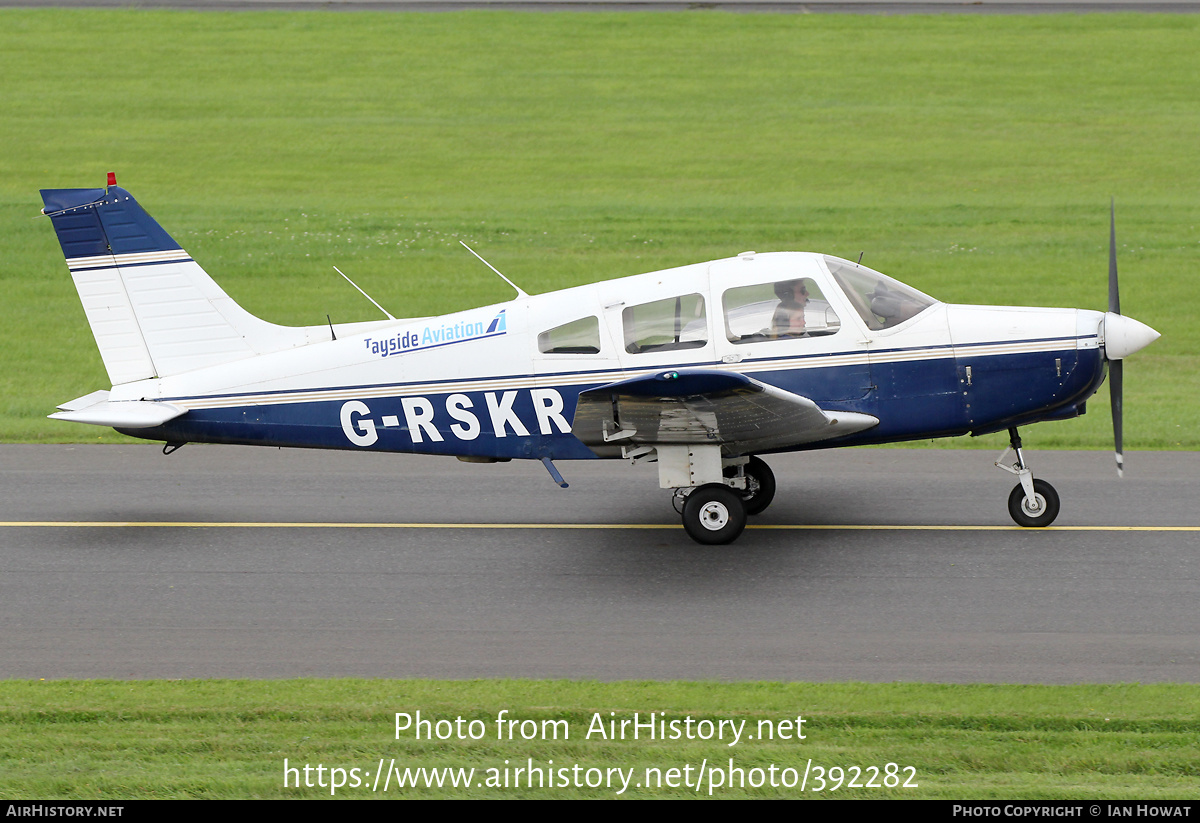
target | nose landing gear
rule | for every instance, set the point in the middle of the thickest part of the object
(1032, 503)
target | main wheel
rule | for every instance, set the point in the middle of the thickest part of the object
(760, 486)
(714, 515)
(1044, 506)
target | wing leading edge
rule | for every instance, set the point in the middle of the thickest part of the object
(701, 406)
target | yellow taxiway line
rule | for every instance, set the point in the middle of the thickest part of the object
(170, 524)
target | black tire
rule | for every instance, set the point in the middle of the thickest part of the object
(760, 486)
(1047, 499)
(714, 515)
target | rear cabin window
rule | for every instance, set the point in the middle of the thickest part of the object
(784, 310)
(666, 325)
(577, 337)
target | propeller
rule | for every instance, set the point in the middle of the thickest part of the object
(1122, 337)
(1116, 368)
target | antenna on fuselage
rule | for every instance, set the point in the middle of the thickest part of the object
(363, 293)
(860, 254)
(520, 291)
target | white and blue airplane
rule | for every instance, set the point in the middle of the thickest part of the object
(700, 369)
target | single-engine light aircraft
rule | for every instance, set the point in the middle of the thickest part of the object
(701, 369)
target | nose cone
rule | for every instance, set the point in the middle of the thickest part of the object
(1124, 335)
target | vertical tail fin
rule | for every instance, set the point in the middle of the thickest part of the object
(153, 311)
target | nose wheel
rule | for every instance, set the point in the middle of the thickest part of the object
(1039, 510)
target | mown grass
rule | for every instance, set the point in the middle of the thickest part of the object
(228, 739)
(973, 156)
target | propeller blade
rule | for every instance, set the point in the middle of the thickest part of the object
(1116, 368)
(1122, 337)
(1116, 392)
(1114, 294)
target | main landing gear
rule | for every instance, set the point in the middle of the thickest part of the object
(1032, 503)
(760, 484)
(715, 513)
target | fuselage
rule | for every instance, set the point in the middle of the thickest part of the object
(503, 381)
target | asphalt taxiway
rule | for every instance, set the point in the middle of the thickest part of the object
(876, 565)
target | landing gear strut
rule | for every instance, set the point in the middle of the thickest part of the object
(1032, 503)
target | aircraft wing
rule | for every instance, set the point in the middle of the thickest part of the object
(708, 407)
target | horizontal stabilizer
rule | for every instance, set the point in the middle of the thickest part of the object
(97, 410)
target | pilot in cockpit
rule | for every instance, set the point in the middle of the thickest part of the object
(788, 320)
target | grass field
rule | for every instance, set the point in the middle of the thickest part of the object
(973, 156)
(222, 739)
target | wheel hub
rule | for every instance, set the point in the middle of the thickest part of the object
(714, 516)
(1034, 506)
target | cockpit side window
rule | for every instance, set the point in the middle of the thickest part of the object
(665, 325)
(881, 301)
(577, 337)
(783, 310)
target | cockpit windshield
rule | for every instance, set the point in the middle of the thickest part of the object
(881, 301)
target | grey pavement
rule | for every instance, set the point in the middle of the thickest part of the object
(873, 603)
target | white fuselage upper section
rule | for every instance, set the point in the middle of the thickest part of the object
(497, 346)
